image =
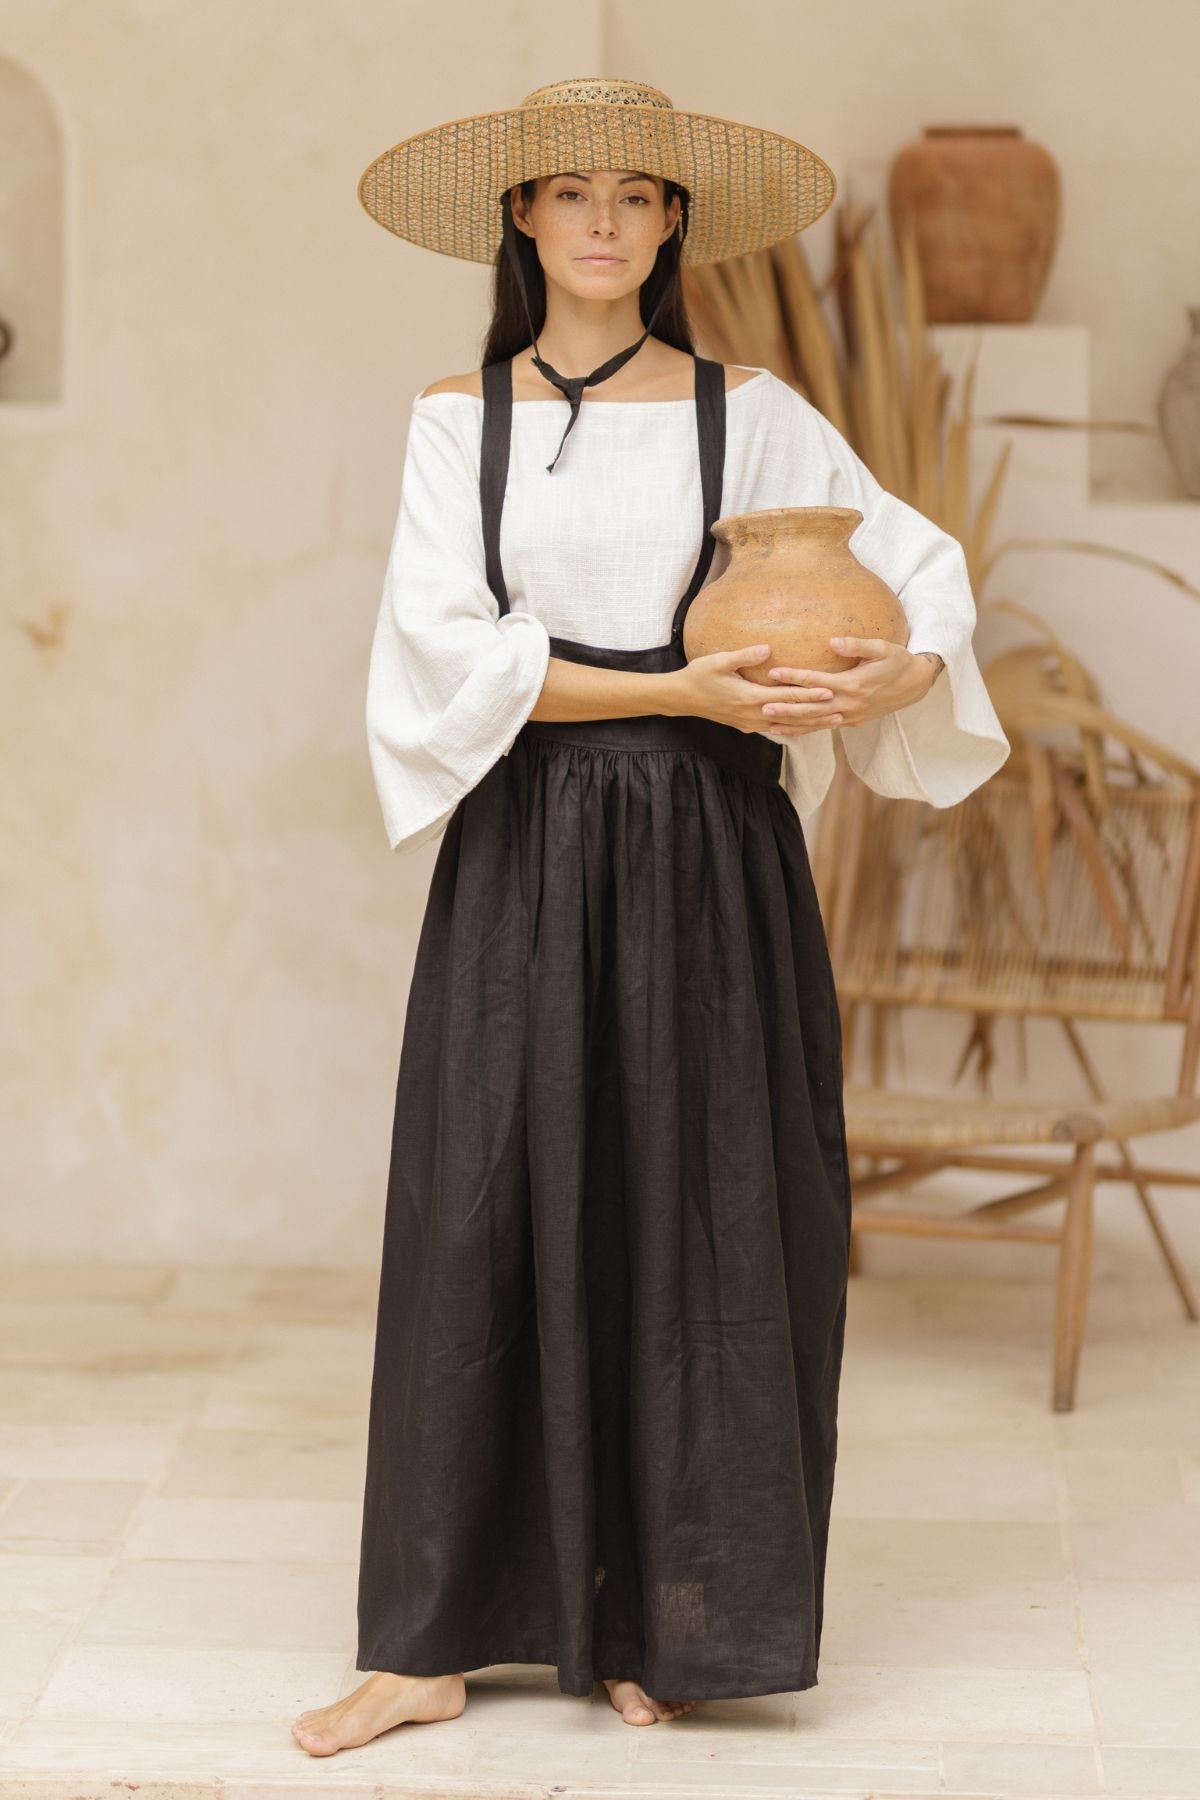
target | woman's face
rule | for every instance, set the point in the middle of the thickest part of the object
(598, 231)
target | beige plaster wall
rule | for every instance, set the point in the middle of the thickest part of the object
(206, 941)
(1112, 91)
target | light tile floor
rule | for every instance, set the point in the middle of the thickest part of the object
(1013, 1600)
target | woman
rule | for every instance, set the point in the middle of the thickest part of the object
(613, 1289)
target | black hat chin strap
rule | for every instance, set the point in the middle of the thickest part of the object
(572, 385)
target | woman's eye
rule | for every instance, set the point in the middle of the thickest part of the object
(573, 193)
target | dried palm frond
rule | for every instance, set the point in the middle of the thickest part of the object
(1083, 547)
(871, 370)
(1044, 816)
(889, 398)
(980, 1048)
(1035, 672)
(811, 343)
(1044, 422)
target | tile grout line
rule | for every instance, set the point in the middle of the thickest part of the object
(70, 1641)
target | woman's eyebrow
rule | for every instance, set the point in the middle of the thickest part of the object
(574, 175)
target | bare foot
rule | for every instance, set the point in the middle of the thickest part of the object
(636, 1706)
(382, 1701)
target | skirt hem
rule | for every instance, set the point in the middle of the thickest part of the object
(737, 1689)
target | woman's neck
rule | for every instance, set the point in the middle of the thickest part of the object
(578, 335)
(657, 372)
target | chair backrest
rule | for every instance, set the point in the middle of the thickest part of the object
(1007, 904)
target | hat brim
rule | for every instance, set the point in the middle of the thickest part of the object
(442, 188)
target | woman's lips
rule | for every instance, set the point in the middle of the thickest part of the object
(601, 259)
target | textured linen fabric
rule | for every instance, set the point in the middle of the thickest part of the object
(599, 552)
(613, 1292)
(613, 1288)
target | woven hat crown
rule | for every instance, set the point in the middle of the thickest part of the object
(598, 92)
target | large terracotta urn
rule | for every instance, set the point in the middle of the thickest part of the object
(792, 582)
(984, 203)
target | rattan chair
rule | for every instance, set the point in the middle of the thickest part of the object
(1027, 899)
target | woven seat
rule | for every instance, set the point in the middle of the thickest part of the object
(1038, 896)
(887, 1119)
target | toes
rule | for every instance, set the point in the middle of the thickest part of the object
(673, 1709)
(316, 1742)
(638, 1709)
(308, 1720)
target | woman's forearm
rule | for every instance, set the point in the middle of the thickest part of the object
(579, 691)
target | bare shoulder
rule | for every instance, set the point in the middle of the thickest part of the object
(470, 383)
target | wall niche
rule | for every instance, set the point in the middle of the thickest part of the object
(31, 240)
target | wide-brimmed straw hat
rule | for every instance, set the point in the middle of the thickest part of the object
(748, 187)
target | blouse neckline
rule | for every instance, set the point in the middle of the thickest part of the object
(477, 399)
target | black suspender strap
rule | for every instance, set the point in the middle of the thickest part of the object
(710, 430)
(493, 468)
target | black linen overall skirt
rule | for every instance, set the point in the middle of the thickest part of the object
(603, 1417)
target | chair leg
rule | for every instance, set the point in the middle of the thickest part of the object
(1074, 1276)
(854, 1265)
(1170, 1255)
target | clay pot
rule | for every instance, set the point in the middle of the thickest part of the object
(984, 204)
(792, 582)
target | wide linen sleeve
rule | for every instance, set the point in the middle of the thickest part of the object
(450, 682)
(943, 746)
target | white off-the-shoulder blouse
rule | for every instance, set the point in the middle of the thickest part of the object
(601, 551)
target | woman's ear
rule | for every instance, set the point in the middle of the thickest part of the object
(519, 206)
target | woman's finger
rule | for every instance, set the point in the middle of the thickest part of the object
(807, 677)
(872, 647)
(800, 709)
(801, 692)
(814, 715)
(800, 727)
(736, 659)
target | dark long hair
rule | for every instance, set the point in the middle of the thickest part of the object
(508, 330)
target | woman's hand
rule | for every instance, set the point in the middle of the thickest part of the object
(885, 678)
(709, 687)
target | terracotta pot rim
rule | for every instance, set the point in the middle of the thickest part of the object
(973, 130)
(793, 518)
